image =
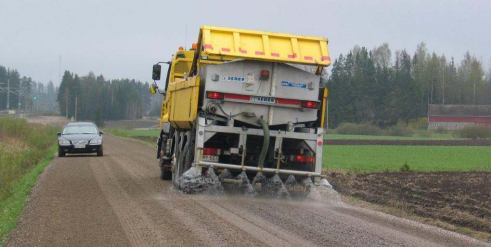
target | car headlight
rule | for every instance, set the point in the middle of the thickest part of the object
(64, 142)
(96, 141)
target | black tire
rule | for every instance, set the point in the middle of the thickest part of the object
(61, 153)
(100, 152)
(165, 174)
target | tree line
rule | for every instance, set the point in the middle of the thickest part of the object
(94, 98)
(371, 86)
(26, 95)
(18, 88)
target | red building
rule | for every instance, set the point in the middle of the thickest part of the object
(458, 116)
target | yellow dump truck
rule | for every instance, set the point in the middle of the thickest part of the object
(244, 109)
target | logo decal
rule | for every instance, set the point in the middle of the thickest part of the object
(234, 78)
(293, 84)
(263, 99)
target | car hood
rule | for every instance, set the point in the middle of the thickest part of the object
(80, 137)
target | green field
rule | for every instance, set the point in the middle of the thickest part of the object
(374, 158)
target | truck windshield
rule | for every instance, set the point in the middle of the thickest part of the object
(70, 130)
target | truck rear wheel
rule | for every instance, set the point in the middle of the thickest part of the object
(165, 173)
(184, 152)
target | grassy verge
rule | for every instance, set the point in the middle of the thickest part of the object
(22, 146)
(25, 149)
(378, 158)
(11, 208)
(134, 132)
(149, 136)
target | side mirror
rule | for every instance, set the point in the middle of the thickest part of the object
(59, 134)
(157, 70)
(101, 133)
(153, 89)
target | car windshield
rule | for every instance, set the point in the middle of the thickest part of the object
(70, 130)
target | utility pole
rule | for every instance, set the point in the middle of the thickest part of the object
(8, 91)
(19, 96)
(431, 90)
(443, 93)
(475, 102)
(66, 103)
(76, 104)
(18, 99)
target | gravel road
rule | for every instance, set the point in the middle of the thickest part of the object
(119, 200)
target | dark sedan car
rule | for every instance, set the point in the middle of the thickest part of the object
(80, 137)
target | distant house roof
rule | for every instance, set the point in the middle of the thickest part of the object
(456, 116)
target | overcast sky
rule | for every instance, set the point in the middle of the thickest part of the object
(122, 38)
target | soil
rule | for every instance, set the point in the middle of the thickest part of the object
(119, 200)
(459, 198)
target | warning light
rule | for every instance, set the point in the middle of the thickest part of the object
(309, 104)
(264, 75)
(214, 95)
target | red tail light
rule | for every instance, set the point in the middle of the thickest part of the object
(210, 151)
(309, 104)
(300, 158)
(214, 95)
(304, 159)
(264, 75)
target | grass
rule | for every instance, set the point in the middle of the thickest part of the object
(379, 158)
(22, 146)
(134, 132)
(11, 208)
(147, 136)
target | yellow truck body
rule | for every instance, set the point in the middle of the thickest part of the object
(218, 45)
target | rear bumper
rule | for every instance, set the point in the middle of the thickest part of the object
(257, 169)
(87, 149)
